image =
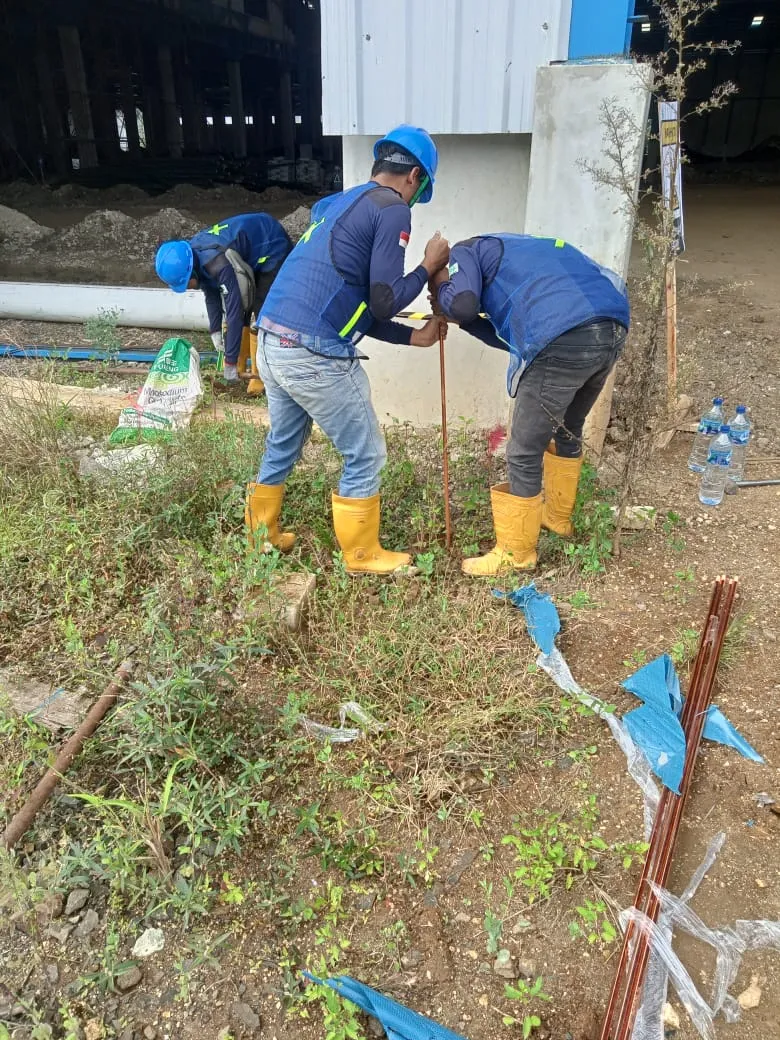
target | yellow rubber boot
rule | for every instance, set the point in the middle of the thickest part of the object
(517, 522)
(561, 477)
(263, 506)
(356, 523)
(244, 353)
(256, 384)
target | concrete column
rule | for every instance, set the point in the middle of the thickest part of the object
(237, 109)
(104, 100)
(129, 111)
(173, 133)
(566, 202)
(76, 79)
(259, 135)
(193, 119)
(53, 118)
(286, 116)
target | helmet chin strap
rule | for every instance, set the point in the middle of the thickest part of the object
(424, 182)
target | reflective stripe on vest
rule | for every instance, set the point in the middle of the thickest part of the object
(353, 320)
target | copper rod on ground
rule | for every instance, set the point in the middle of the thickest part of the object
(48, 782)
(718, 628)
(658, 827)
(445, 446)
(666, 824)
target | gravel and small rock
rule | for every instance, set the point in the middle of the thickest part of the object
(148, 943)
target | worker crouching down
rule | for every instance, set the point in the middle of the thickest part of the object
(234, 263)
(344, 279)
(563, 319)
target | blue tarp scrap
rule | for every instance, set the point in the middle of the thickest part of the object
(662, 740)
(400, 1023)
(656, 683)
(541, 616)
(656, 729)
(718, 728)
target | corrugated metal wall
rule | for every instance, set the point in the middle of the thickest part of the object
(452, 66)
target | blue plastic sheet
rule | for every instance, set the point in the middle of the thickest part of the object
(656, 729)
(656, 683)
(400, 1023)
(662, 740)
(541, 617)
(718, 728)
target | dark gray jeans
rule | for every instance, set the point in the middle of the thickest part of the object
(554, 397)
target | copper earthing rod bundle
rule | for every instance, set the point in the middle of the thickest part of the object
(658, 827)
(445, 446)
(658, 861)
(697, 703)
(46, 785)
(698, 714)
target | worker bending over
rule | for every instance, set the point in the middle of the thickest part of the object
(563, 319)
(234, 262)
(344, 280)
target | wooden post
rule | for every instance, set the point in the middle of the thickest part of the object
(671, 333)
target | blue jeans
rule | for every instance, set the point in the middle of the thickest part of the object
(304, 388)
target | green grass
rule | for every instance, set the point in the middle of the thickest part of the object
(202, 790)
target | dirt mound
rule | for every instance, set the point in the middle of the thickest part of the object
(108, 229)
(276, 194)
(159, 227)
(17, 228)
(296, 222)
(124, 193)
(185, 195)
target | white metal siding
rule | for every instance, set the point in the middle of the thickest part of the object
(452, 66)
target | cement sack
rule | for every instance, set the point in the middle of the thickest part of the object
(168, 398)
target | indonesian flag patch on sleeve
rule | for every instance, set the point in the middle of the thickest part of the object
(403, 239)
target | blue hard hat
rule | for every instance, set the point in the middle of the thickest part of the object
(174, 263)
(419, 143)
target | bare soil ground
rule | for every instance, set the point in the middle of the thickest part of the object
(424, 941)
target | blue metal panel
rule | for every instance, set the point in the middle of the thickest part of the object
(600, 27)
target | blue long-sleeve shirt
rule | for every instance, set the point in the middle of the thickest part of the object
(532, 290)
(260, 241)
(472, 263)
(367, 247)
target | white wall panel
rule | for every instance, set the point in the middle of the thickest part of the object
(452, 66)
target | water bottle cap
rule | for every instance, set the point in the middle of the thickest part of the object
(725, 428)
(741, 409)
(717, 400)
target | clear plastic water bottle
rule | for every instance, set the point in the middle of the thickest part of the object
(716, 472)
(709, 424)
(739, 435)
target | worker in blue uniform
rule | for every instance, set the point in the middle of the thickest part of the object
(563, 320)
(234, 263)
(344, 280)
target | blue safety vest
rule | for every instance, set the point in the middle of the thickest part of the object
(259, 240)
(310, 296)
(542, 288)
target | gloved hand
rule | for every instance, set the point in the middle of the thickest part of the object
(218, 340)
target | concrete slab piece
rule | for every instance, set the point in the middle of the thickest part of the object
(54, 708)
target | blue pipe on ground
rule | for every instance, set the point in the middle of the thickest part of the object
(9, 350)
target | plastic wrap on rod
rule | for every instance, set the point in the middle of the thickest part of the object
(649, 1019)
(698, 1010)
(554, 664)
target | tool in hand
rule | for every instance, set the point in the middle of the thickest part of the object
(444, 442)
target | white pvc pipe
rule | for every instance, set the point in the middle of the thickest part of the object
(148, 308)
